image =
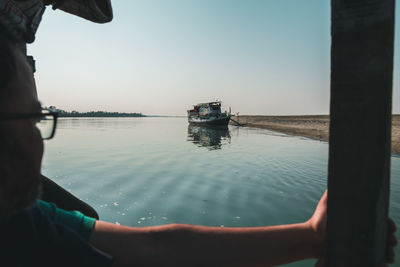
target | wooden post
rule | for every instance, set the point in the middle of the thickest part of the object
(360, 128)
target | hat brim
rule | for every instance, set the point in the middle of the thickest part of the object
(99, 11)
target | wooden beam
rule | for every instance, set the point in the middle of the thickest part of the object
(360, 129)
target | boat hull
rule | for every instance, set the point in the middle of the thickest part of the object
(222, 121)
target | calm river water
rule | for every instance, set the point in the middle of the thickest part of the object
(152, 171)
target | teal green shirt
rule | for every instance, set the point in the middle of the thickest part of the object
(74, 220)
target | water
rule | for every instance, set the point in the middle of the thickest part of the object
(152, 171)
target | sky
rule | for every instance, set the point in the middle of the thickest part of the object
(158, 57)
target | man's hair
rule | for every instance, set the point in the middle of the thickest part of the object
(7, 60)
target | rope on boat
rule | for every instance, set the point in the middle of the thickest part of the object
(238, 123)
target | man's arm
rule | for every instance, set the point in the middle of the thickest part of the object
(190, 245)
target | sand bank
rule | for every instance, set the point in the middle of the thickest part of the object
(313, 126)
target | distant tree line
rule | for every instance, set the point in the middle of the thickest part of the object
(63, 113)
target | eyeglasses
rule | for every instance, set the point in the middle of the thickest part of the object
(46, 121)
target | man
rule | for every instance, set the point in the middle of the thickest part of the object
(21, 19)
(35, 233)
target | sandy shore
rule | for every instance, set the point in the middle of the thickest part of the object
(315, 127)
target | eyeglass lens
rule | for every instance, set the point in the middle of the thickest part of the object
(46, 126)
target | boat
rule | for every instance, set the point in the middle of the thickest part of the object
(208, 114)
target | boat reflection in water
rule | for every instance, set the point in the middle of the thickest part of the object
(212, 137)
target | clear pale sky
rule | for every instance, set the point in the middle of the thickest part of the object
(160, 57)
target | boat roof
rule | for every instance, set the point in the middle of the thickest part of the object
(215, 103)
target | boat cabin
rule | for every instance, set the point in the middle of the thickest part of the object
(206, 109)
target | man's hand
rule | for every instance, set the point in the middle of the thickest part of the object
(319, 218)
(318, 223)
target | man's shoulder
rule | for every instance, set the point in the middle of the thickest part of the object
(30, 238)
(75, 220)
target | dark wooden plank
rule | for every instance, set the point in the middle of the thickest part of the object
(359, 151)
